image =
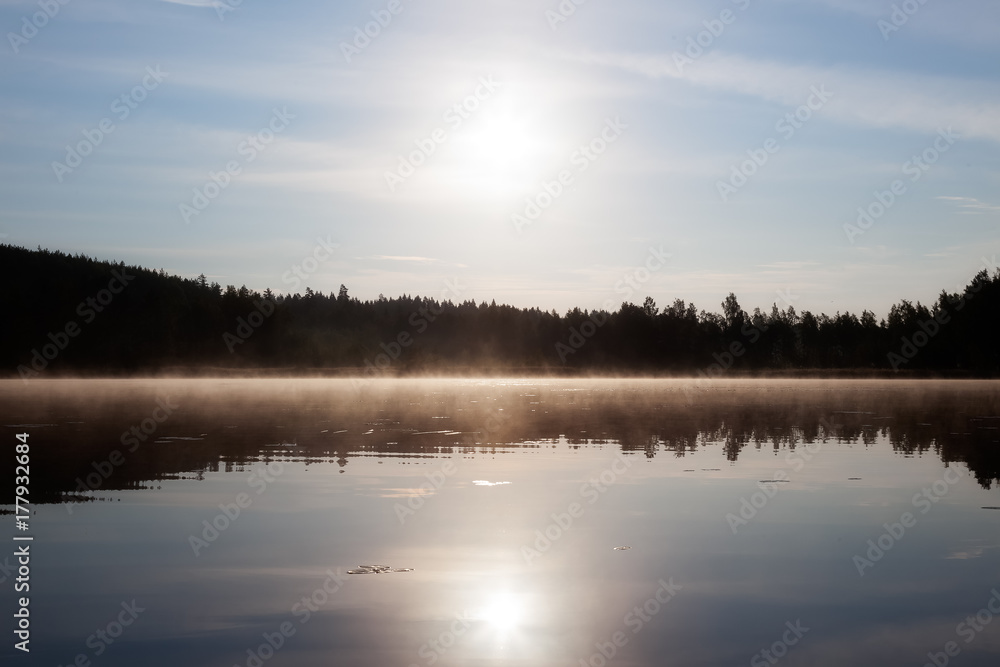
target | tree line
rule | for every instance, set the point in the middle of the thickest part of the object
(75, 314)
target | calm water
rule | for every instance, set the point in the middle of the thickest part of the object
(793, 522)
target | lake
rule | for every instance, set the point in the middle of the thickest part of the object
(301, 523)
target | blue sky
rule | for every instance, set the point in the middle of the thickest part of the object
(265, 89)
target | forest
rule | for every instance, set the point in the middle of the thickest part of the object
(75, 315)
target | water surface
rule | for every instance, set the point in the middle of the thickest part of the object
(824, 522)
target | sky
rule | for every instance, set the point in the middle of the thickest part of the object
(831, 155)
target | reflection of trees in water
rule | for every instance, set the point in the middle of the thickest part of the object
(332, 424)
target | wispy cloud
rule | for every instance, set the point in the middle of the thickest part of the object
(399, 258)
(196, 3)
(967, 554)
(862, 7)
(789, 265)
(866, 97)
(972, 206)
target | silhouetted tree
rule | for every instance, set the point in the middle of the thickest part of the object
(160, 321)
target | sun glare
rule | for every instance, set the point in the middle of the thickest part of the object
(503, 612)
(499, 150)
(499, 141)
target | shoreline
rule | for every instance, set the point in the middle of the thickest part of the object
(527, 373)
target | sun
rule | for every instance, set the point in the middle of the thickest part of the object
(499, 149)
(499, 140)
(503, 612)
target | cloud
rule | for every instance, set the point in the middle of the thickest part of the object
(196, 3)
(966, 554)
(969, 23)
(862, 7)
(397, 258)
(972, 206)
(864, 97)
(789, 265)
